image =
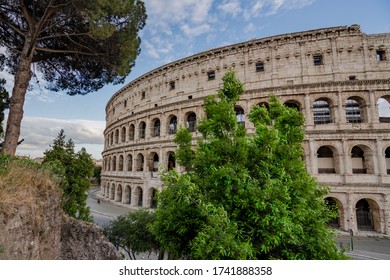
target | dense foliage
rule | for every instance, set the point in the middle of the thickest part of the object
(130, 232)
(76, 171)
(76, 46)
(241, 196)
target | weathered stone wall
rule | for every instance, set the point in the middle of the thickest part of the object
(33, 225)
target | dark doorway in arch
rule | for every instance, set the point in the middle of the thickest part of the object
(139, 196)
(387, 159)
(171, 161)
(364, 215)
(153, 201)
(292, 104)
(332, 204)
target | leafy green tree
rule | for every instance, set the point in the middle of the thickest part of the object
(130, 232)
(244, 196)
(77, 45)
(76, 171)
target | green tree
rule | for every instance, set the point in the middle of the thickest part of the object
(76, 171)
(244, 196)
(77, 45)
(130, 232)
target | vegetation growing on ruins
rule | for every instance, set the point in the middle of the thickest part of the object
(241, 196)
(76, 171)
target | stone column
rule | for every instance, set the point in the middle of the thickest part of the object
(313, 157)
(341, 113)
(308, 112)
(380, 157)
(372, 111)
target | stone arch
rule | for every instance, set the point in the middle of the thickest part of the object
(127, 195)
(154, 161)
(113, 163)
(362, 160)
(172, 124)
(263, 103)
(142, 130)
(355, 110)
(138, 196)
(107, 190)
(291, 103)
(240, 114)
(191, 121)
(368, 215)
(109, 164)
(129, 162)
(118, 193)
(116, 136)
(140, 162)
(387, 159)
(123, 135)
(152, 194)
(327, 159)
(112, 138)
(120, 163)
(131, 132)
(156, 127)
(171, 160)
(383, 106)
(323, 111)
(112, 192)
(334, 203)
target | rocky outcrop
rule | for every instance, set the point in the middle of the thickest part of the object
(33, 225)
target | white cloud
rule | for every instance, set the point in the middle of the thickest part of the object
(231, 7)
(196, 11)
(39, 133)
(195, 31)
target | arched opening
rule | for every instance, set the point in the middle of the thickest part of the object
(332, 204)
(365, 215)
(322, 111)
(384, 109)
(355, 110)
(156, 128)
(123, 135)
(387, 159)
(112, 192)
(131, 132)
(120, 165)
(142, 130)
(109, 164)
(191, 122)
(153, 162)
(112, 138)
(153, 198)
(293, 104)
(117, 136)
(263, 103)
(139, 196)
(362, 160)
(171, 160)
(114, 163)
(129, 160)
(127, 198)
(118, 194)
(172, 125)
(140, 162)
(326, 162)
(240, 115)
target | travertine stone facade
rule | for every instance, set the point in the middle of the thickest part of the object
(335, 76)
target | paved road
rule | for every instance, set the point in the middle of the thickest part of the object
(364, 248)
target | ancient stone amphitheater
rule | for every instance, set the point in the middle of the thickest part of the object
(338, 77)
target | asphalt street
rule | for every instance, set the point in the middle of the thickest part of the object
(364, 247)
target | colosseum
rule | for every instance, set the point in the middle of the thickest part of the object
(338, 77)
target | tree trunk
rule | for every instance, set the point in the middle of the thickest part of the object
(15, 116)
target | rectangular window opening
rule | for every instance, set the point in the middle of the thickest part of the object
(381, 55)
(172, 85)
(259, 67)
(318, 60)
(211, 75)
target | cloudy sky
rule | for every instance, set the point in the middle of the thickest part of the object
(176, 29)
